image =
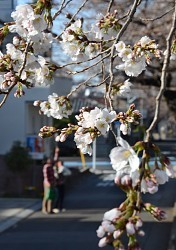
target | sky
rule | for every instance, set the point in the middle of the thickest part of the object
(23, 1)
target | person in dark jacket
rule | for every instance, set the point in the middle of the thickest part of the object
(60, 174)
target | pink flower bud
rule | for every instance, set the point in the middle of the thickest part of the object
(126, 180)
(63, 137)
(141, 233)
(153, 189)
(57, 138)
(117, 180)
(132, 106)
(36, 103)
(100, 232)
(138, 223)
(108, 226)
(116, 234)
(130, 228)
(112, 214)
(159, 214)
(103, 242)
(16, 40)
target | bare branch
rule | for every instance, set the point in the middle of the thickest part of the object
(73, 17)
(25, 59)
(110, 5)
(88, 60)
(99, 84)
(159, 17)
(87, 68)
(6, 95)
(82, 84)
(63, 5)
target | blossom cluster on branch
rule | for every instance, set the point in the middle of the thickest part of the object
(100, 48)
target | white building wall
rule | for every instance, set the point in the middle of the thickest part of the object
(6, 7)
(19, 118)
(62, 85)
(13, 118)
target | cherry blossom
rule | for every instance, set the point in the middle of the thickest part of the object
(136, 59)
(27, 24)
(124, 155)
(57, 107)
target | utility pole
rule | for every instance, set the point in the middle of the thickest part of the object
(94, 155)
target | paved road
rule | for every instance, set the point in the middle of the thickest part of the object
(86, 201)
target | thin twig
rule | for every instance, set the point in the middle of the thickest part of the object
(159, 17)
(99, 84)
(110, 6)
(6, 95)
(87, 68)
(88, 60)
(73, 17)
(25, 59)
(63, 5)
(82, 84)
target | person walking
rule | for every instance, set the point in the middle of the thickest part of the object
(48, 185)
(60, 174)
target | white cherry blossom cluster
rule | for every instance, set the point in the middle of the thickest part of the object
(122, 89)
(121, 220)
(92, 124)
(107, 26)
(114, 224)
(132, 116)
(56, 107)
(22, 64)
(108, 226)
(69, 42)
(75, 43)
(136, 59)
(31, 27)
(156, 174)
(126, 163)
(36, 71)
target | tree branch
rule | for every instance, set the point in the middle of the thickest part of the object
(163, 76)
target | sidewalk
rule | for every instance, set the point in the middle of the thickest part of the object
(13, 210)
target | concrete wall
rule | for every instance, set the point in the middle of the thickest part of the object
(62, 85)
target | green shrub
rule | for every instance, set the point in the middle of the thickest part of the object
(18, 158)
